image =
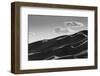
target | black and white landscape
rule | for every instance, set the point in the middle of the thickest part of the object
(57, 37)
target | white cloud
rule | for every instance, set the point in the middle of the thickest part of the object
(71, 27)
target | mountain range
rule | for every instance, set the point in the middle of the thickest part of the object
(73, 46)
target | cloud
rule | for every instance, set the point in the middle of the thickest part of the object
(61, 30)
(70, 27)
(73, 23)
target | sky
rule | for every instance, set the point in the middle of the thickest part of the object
(42, 27)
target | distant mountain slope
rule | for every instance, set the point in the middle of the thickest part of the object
(62, 47)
